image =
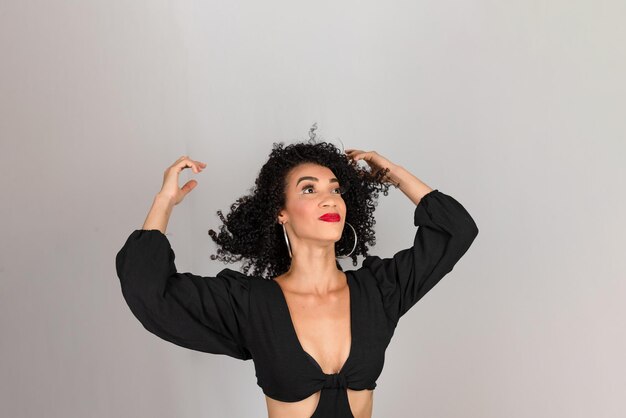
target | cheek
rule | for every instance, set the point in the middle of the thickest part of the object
(303, 209)
(341, 206)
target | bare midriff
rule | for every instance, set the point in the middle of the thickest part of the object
(361, 404)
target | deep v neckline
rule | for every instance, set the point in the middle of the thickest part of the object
(295, 334)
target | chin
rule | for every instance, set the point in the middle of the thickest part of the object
(332, 237)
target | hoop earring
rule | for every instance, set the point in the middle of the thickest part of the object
(353, 247)
(287, 240)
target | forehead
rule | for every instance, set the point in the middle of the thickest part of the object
(310, 169)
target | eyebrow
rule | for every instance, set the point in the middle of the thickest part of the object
(333, 180)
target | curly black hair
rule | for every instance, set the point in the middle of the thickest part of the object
(251, 231)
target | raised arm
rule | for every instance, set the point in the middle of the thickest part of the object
(201, 313)
(445, 232)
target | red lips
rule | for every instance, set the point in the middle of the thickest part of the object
(330, 217)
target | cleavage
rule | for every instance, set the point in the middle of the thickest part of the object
(327, 325)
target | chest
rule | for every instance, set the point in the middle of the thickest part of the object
(322, 327)
(298, 344)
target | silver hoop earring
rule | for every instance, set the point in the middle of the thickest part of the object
(353, 247)
(287, 240)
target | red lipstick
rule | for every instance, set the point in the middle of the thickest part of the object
(330, 217)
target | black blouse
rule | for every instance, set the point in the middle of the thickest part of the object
(247, 317)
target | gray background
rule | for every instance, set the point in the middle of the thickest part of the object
(514, 108)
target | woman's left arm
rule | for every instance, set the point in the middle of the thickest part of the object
(445, 232)
(400, 177)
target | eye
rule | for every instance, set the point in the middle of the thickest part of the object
(337, 190)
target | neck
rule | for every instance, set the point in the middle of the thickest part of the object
(314, 271)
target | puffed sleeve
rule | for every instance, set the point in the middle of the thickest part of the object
(445, 232)
(206, 314)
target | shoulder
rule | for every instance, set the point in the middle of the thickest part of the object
(249, 282)
(361, 277)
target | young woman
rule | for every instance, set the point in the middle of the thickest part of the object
(317, 334)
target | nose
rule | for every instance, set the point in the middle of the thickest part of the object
(329, 201)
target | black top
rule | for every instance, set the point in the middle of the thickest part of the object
(247, 317)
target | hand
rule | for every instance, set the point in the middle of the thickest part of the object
(170, 179)
(376, 161)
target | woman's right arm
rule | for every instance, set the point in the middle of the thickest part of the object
(201, 313)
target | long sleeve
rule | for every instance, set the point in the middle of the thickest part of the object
(206, 314)
(445, 232)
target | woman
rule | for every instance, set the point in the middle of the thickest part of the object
(317, 335)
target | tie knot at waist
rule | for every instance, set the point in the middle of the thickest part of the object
(336, 380)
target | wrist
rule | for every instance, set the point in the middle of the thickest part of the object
(164, 200)
(395, 175)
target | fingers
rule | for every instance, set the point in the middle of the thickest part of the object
(184, 162)
(356, 154)
(372, 158)
(189, 186)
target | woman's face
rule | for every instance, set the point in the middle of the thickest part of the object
(312, 190)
